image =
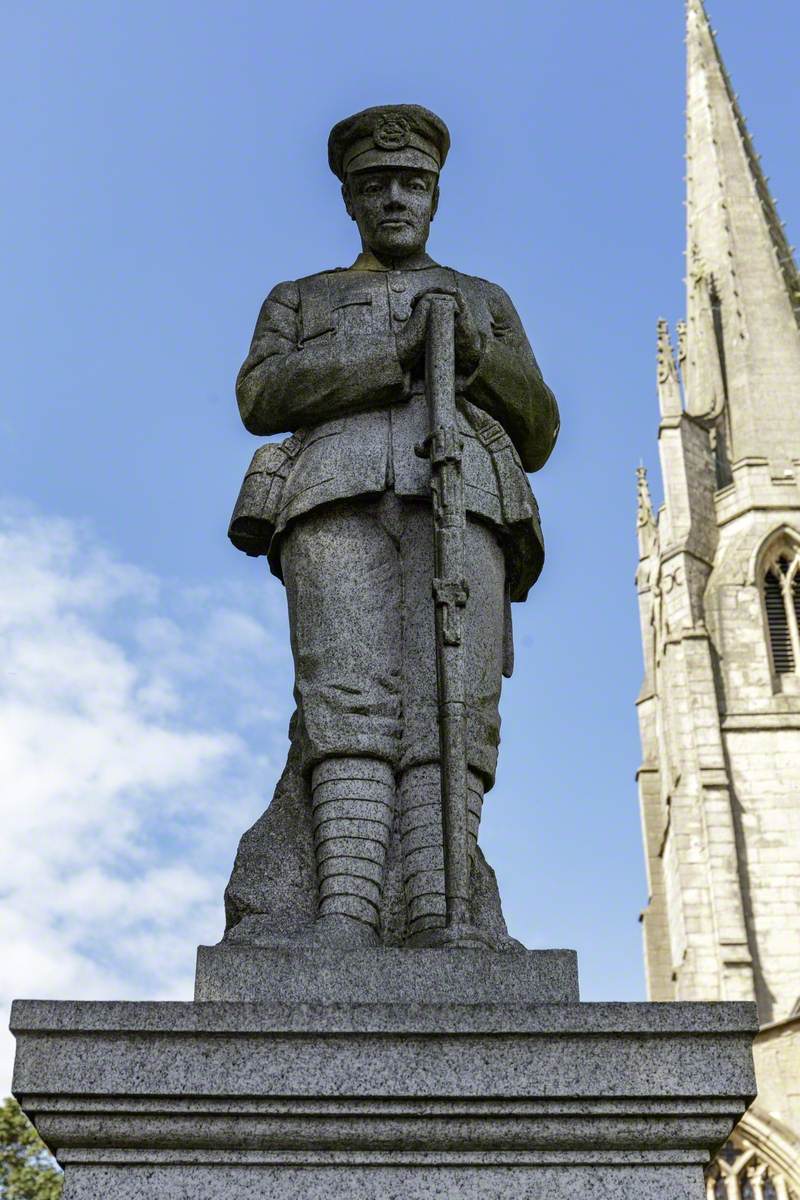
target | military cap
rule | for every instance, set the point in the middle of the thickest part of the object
(390, 135)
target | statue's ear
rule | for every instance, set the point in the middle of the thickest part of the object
(435, 201)
(347, 201)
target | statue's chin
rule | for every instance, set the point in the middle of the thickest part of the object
(397, 245)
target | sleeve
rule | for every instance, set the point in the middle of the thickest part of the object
(509, 385)
(285, 384)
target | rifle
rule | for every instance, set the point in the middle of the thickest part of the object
(450, 591)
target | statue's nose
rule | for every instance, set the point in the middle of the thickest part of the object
(394, 196)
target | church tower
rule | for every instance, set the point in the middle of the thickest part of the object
(719, 597)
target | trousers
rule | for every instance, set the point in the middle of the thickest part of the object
(358, 576)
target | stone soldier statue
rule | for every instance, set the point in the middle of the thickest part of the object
(342, 509)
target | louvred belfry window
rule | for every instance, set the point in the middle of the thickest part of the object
(782, 605)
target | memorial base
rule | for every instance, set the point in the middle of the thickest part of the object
(414, 1098)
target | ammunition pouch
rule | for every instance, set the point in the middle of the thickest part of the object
(255, 513)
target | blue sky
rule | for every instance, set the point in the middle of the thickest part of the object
(164, 167)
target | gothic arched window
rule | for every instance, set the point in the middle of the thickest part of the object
(782, 606)
(741, 1172)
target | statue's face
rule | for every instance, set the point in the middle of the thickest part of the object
(393, 208)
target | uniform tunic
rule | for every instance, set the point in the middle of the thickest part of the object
(351, 520)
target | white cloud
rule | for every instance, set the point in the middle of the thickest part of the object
(142, 726)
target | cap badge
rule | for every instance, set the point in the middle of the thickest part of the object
(391, 133)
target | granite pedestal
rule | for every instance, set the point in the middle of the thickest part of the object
(457, 1083)
(231, 971)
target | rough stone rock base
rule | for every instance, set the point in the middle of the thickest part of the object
(273, 888)
(413, 1099)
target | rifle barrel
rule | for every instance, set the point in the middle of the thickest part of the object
(450, 596)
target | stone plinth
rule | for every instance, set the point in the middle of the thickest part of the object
(414, 1099)
(234, 971)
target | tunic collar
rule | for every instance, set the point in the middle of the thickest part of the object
(367, 261)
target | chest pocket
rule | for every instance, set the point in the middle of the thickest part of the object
(328, 307)
(352, 313)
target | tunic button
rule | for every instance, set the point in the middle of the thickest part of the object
(397, 285)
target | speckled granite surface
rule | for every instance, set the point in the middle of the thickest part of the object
(295, 976)
(420, 1099)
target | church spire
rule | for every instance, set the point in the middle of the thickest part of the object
(743, 342)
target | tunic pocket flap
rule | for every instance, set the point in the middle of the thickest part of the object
(353, 298)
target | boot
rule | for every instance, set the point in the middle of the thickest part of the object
(421, 839)
(352, 802)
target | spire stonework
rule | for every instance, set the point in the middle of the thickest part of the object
(743, 302)
(645, 517)
(669, 388)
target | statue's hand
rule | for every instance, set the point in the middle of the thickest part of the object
(469, 347)
(411, 339)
